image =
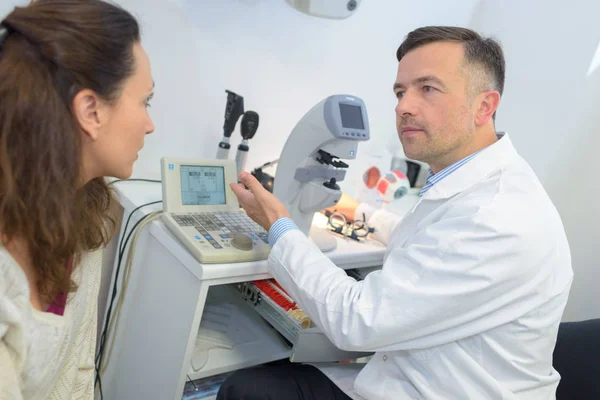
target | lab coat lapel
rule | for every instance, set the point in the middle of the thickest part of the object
(485, 163)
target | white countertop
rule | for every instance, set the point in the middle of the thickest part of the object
(348, 253)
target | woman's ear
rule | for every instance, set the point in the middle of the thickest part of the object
(90, 112)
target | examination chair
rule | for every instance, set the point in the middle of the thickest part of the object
(577, 359)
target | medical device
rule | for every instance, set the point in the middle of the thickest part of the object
(248, 128)
(356, 230)
(265, 179)
(334, 9)
(234, 108)
(310, 164)
(202, 211)
(392, 186)
(269, 290)
(272, 302)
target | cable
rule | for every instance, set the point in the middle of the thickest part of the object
(135, 180)
(107, 324)
(192, 382)
(100, 385)
(114, 323)
(265, 179)
(121, 247)
(268, 164)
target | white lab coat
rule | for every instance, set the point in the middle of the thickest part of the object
(468, 302)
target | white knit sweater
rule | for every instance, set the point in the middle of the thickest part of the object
(43, 355)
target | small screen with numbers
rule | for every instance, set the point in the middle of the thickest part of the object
(202, 185)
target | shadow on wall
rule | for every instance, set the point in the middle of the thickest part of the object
(581, 208)
(551, 109)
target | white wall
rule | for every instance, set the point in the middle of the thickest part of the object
(551, 109)
(283, 62)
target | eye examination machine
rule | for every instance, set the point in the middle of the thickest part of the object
(311, 161)
(202, 211)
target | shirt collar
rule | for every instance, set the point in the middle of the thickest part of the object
(433, 178)
(471, 171)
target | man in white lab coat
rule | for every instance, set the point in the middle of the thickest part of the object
(476, 276)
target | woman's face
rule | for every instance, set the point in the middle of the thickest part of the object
(124, 125)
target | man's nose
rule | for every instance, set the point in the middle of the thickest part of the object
(407, 104)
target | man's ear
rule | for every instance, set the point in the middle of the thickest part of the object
(488, 103)
(90, 113)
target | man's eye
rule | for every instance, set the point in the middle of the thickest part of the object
(428, 88)
(399, 94)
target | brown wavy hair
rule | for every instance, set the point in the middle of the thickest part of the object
(53, 50)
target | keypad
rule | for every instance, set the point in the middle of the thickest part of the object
(214, 226)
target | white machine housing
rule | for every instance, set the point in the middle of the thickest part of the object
(334, 9)
(335, 125)
(211, 229)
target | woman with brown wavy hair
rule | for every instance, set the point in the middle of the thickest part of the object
(75, 84)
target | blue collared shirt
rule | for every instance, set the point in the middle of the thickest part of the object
(281, 226)
(432, 179)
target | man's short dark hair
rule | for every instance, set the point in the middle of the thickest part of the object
(485, 53)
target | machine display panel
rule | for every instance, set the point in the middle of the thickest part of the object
(202, 185)
(351, 116)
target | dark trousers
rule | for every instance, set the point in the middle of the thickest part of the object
(280, 382)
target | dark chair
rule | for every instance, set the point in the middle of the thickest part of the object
(577, 359)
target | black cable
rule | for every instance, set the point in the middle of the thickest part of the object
(99, 384)
(192, 382)
(269, 163)
(100, 354)
(134, 180)
(122, 244)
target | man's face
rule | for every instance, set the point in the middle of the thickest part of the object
(434, 114)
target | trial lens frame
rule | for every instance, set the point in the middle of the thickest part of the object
(356, 230)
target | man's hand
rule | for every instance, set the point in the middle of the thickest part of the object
(347, 206)
(260, 205)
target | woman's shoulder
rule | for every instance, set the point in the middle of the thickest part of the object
(13, 282)
(89, 263)
(14, 302)
(93, 257)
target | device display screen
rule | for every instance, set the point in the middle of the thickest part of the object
(202, 185)
(351, 116)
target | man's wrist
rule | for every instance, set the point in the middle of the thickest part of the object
(279, 228)
(276, 218)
